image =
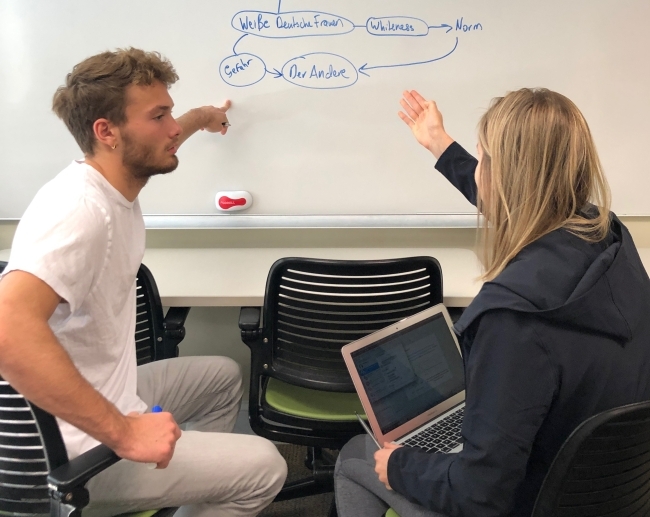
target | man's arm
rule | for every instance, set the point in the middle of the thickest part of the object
(36, 365)
(210, 118)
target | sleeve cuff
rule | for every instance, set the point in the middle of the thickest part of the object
(448, 155)
(394, 474)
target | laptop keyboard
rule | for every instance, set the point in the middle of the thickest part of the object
(443, 436)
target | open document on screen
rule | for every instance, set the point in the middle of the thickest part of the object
(409, 372)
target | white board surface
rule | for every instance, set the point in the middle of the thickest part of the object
(315, 87)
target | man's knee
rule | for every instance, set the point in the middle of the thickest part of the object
(273, 466)
(221, 372)
(230, 369)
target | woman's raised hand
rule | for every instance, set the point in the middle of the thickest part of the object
(425, 121)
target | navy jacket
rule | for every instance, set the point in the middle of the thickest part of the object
(561, 334)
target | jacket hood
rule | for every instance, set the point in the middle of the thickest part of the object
(577, 284)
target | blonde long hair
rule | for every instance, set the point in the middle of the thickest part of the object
(539, 172)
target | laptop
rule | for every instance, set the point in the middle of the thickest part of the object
(410, 379)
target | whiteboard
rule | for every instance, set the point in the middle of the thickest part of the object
(315, 87)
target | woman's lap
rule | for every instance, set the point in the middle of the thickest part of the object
(359, 493)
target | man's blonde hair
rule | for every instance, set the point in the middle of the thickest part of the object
(96, 88)
(540, 171)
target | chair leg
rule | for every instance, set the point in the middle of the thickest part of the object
(303, 488)
(309, 458)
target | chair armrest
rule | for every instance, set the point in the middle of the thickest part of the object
(175, 317)
(249, 318)
(249, 325)
(77, 472)
(174, 325)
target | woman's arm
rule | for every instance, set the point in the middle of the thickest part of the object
(510, 386)
(458, 166)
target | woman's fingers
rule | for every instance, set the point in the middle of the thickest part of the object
(409, 110)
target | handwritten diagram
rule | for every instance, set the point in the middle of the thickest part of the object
(325, 70)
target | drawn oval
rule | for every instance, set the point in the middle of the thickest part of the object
(291, 24)
(242, 70)
(397, 26)
(320, 70)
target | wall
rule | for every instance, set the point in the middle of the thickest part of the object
(214, 331)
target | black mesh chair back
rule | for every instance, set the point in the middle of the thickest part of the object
(603, 468)
(149, 318)
(314, 307)
(30, 447)
(156, 335)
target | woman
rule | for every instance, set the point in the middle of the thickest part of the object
(559, 331)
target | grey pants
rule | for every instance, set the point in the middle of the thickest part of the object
(359, 493)
(213, 471)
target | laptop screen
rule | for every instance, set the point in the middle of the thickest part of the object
(410, 371)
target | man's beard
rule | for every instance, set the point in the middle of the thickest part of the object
(139, 160)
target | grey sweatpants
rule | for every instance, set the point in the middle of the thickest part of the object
(213, 471)
(358, 491)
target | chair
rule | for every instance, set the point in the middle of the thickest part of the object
(36, 477)
(603, 468)
(300, 389)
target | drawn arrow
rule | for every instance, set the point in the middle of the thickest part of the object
(279, 6)
(276, 73)
(443, 26)
(235, 45)
(365, 66)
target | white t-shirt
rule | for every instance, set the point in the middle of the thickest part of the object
(86, 241)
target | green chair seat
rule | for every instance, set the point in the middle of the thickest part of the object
(314, 404)
(146, 513)
(391, 513)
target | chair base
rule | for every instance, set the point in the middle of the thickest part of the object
(163, 512)
(320, 482)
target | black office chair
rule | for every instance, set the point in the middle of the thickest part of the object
(300, 389)
(603, 468)
(32, 452)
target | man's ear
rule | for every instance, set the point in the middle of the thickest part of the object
(106, 133)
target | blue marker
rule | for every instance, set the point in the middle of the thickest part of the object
(155, 409)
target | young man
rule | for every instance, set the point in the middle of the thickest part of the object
(67, 310)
